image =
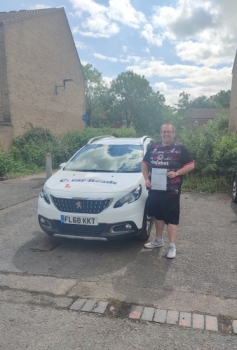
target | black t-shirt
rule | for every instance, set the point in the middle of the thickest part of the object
(172, 157)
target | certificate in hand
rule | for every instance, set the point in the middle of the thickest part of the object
(159, 179)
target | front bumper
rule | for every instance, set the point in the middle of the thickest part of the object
(101, 232)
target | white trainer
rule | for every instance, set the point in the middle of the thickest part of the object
(154, 244)
(171, 253)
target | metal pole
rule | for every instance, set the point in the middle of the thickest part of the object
(48, 165)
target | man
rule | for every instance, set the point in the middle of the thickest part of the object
(163, 168)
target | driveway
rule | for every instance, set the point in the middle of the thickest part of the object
(202, 278)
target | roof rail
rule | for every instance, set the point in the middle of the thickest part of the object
(99, 137)
(143, 138)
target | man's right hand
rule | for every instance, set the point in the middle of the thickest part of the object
(148, 183)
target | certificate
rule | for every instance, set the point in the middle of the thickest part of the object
(159, 179)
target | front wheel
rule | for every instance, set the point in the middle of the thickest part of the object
(234, 190)
(146, 228)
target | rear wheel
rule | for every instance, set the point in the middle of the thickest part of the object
(234, 190)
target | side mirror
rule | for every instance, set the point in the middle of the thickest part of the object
(62, 165)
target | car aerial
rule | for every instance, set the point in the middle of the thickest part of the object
(99, 194)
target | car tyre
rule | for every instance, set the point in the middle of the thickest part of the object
(234, 190)
(146, 228)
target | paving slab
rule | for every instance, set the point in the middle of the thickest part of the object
(101, 307)
(160, 316)
(172, 317)
(198, 321)
(211, 323)
(89, 305)
(147, 314)
(77, 305)
(57, 286)
(136, 312)
(185, 319)
(234, 325)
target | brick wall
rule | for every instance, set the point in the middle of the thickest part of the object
(233, 100)
(40, 53)
(5, 136)
(4, 96)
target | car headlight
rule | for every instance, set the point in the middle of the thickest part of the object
(44, 195)
(130, 197)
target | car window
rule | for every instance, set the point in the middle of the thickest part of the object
(107, 158)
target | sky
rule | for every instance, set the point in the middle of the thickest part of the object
(178, 45)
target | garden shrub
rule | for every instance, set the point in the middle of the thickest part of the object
(214, 152)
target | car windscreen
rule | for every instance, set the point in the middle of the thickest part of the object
(107, 158)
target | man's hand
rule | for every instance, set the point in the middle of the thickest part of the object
(148, 183)
(171, 174)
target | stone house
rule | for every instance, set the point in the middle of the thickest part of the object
(233, 99)
(41, 78)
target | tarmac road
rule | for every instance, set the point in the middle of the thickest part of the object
(39, 279)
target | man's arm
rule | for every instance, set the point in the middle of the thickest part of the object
(145, 173)
(185, 169)
(182, 171)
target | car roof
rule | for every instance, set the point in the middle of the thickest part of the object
(111, 140)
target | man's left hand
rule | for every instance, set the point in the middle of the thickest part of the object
(171, 174)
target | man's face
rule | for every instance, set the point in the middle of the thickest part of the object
(167, 134)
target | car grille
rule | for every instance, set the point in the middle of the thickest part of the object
(82, 206)
(80, 230)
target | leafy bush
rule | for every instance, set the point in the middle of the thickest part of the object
(204, 144)
(29, 150)
(6, 161)
(225, 155)
(34, 137)
(214, 152)
(12, 164)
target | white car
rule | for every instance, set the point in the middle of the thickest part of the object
(99, 194)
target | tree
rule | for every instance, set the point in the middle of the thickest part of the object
(222, 99)
(182, 112)
(97, 96)
(203, 102)
(135, 103)
(183, 103)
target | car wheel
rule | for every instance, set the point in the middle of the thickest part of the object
(146, 229)
(234, 190)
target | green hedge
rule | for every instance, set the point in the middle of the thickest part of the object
(28, 154)
(214, 152)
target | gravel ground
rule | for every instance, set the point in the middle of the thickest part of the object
(205, 268)
(35, 328)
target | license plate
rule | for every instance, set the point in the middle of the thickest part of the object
(78, 220)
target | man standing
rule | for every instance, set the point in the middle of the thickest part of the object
(163, 168)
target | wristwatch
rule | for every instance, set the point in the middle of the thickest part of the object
(176, 174)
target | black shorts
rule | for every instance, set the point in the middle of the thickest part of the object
(164, 206)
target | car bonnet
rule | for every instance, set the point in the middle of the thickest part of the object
(90, 182)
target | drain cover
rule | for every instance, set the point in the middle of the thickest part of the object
(45, 246)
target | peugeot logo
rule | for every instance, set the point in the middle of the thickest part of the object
(78, 205)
